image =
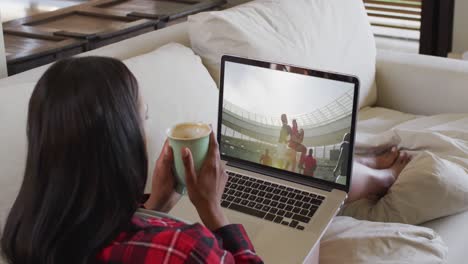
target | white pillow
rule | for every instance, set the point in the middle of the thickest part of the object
(177, 88)
(351, 241)
(330, 35)
(14, 102)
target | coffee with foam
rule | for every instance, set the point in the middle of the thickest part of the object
(194, 136)
(187, 131)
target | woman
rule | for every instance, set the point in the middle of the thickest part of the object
(86, 171)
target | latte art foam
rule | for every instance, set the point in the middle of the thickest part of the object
(189, 131)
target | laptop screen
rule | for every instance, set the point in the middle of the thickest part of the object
(288, 118)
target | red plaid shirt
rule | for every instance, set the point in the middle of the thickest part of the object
(163, 240)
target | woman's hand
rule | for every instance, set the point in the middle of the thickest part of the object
(163, 196)
(206, 188)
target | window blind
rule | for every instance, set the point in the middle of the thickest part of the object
(395, 18)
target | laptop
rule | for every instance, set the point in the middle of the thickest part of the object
(286, 134)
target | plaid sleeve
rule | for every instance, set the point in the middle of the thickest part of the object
(159, 240)
(237, 247)
(234, 239)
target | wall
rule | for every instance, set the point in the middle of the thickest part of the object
(460, 30)
(3, 68)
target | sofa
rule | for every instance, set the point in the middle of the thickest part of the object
(3, 66)
(409, 86)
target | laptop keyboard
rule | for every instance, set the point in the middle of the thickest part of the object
(277, 203)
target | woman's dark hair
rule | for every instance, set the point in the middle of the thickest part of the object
(86, 165)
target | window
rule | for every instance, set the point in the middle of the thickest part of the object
(423, 26)
(396, 23)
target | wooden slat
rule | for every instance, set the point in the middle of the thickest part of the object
(23, 47)
(26, 31)
(160, 9)
(395, 17)
(105, 13)
(415, 4)
(395, 26)
(393, 10)
(201, 6)
(398, 2)
(399, 11)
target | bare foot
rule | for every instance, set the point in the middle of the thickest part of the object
(384, 179)
(382, 161)
(403, 160)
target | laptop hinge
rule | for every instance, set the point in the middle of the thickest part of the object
(280, 176)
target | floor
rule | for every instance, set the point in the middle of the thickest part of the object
(13, 9)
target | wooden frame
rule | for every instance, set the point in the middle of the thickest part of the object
(437, 27)
(34, 57)
(52, 38)
(38, 25)
(63, 43)
(192, 7)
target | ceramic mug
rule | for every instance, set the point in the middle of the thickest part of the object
(194, 136)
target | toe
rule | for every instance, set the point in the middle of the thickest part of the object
(391, 155)
(406, 158)
(394, 153)
(402, 157)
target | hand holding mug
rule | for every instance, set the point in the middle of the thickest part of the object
(194, 136)
(206, 187)
(163, 196)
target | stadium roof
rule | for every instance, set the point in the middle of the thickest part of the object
(337, 109)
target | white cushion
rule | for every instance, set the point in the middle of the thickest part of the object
(14, 100)
(357, 242)
(177, 88)
(435, 183)
(403, 77)
(454, 231)
(330, 35)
